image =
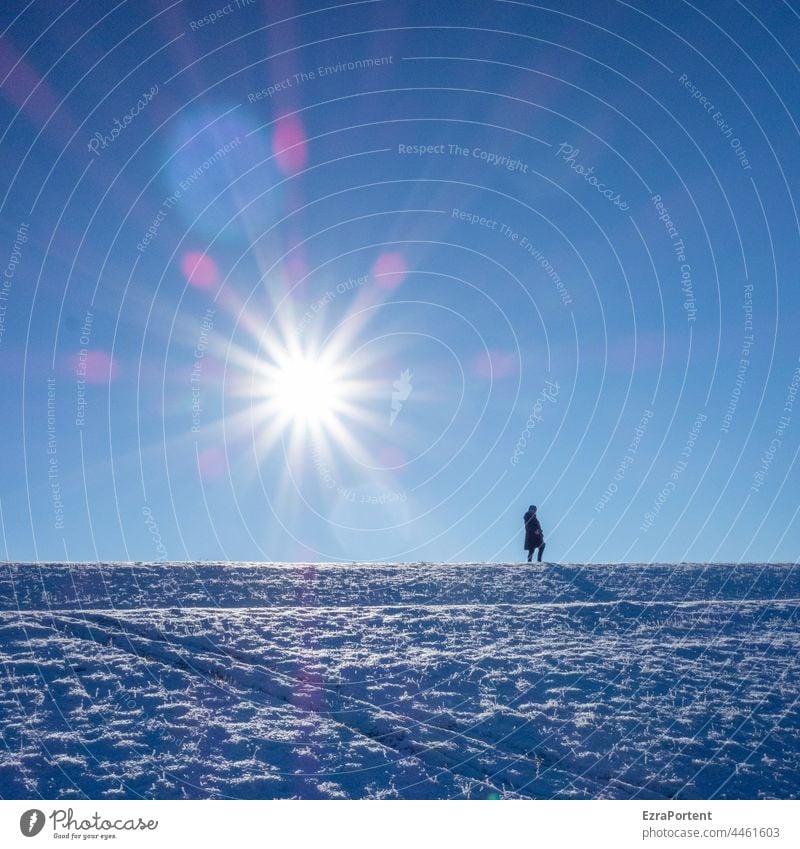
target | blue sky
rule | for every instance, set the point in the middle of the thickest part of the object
(314, 282)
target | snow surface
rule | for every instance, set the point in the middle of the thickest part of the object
(180, 680)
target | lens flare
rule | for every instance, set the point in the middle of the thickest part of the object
(199, 270)
(289, 145)
(389, 270)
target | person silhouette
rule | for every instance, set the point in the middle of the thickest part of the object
(534, 536)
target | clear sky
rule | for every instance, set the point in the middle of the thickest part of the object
(308, 281)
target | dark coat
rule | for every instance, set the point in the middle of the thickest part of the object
(534, 536)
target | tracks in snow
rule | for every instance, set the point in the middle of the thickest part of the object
(388, 728)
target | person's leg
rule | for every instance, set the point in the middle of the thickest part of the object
(530, 555)
(541, 551)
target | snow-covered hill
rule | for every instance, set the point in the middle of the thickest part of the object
(412, 681)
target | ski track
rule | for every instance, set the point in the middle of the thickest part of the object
(399, 681)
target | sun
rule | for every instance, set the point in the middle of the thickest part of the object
(299, 395)
(307, 390)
